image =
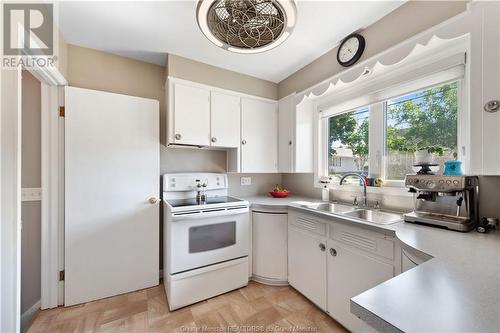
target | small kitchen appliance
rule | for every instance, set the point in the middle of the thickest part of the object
(206, 238)
(452, 168)
(446, 201)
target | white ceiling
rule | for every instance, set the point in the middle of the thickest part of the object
(149, 30)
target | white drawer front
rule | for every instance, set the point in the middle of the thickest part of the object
(308, 223)
(363, 239)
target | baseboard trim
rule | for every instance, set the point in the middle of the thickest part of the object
(28, 315)
(269, 282)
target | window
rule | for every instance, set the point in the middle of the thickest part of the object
(379, 140)
(426, 119)
(348, 143)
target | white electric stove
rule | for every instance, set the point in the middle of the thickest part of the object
(206, 238)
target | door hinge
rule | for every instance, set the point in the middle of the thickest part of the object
(61, 111)
(61, 275)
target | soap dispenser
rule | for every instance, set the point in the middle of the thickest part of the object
(325, 193)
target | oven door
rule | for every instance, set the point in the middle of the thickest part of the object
(201, 240)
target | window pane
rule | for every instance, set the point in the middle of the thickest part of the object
(348, 143)
(423, 119)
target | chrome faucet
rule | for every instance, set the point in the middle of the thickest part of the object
(365, 201)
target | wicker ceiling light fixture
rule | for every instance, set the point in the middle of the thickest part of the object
(246, 26)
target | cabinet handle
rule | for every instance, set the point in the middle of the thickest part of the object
(178, 136)
(243, 142)
(322, 247)
(290, 142)
(333, 252)
(214, 139)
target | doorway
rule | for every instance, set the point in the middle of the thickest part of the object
(30, 197)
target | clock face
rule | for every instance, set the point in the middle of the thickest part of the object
(351, 50)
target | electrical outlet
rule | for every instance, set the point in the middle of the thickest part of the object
(246, 181)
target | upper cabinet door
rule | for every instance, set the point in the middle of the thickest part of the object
(259, 139)
(304, 143)
(286, 112)
(225, 120)
(191, 115)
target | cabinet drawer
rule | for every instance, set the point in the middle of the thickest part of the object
(364, 240)
(308, 223)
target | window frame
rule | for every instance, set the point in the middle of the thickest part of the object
(378, 140)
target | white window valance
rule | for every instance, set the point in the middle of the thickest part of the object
(366, 91)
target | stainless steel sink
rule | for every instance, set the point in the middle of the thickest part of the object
(375, 216)
(331, 207)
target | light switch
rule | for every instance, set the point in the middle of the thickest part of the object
(244, 181)
(31, 194)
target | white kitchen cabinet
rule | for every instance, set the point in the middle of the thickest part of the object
(259, 139)
(352, 271)
(269, 247)
(286, 108)
(307, 258)
(224, 120)
(295, 142)
(190, 117)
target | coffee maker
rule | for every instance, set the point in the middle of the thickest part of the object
(446, 201)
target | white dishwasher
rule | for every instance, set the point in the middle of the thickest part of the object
(269, 247)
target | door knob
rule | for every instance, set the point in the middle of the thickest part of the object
(178, 136)
(243, 142)
(153, 200)
(322, 247)
(333, 252)
(214, 139)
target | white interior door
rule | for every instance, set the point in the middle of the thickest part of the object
(111, 170)
(259, 145)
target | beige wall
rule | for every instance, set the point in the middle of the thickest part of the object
(62, 56)
(30, 177)
(199, 72)
(301, 184)
(406, 21)
(261, 183)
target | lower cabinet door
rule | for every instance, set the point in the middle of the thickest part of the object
(307, 265)
(270, 246)
(351, 272)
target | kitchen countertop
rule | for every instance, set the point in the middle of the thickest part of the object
(458, 290)
(265, 201)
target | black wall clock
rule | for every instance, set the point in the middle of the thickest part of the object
(350, 50)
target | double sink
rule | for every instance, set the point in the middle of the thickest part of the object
(376, 216)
